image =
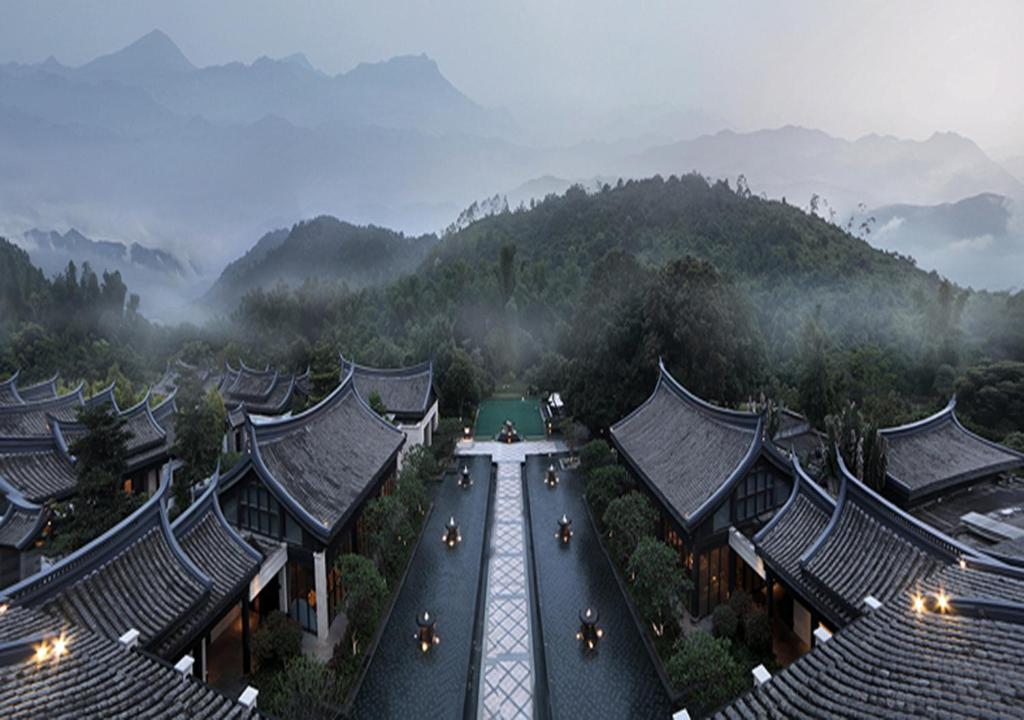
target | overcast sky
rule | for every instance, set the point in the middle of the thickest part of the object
(902, 67)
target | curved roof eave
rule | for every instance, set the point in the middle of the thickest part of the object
(802, 482)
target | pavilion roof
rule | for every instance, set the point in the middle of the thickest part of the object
(147, 435)
(259, 392)
(322, 462)
(938, 452)
(897, 662)
(404, 391)
(9, 391)
(33, 419)
(689, 451)
(871, 547)
(21, 522)
(134, 576)
(38, 469)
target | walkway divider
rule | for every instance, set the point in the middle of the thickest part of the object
(542, 697)
(469, 710)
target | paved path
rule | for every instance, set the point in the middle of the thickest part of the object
(507, 672)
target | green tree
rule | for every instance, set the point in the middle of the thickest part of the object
(304, 690)
(460, 389)
(99, 502)
(703, 667)
(200, 429)
(389, 534)
(658, 581)
(724, 622)
(628, 519)
(817, 385)
(864, 450)
(595, 454)
(276, 640)
(605, 484)
(377, 404)
(324, 372)
(366, 592)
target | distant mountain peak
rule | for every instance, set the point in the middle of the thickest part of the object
(154, 52)
(298, 59)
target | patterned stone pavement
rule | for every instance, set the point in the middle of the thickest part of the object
(506, 675)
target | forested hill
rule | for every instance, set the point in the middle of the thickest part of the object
(324, 248)
(656, 220)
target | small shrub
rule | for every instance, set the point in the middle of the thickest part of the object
(740, 604)
(703, 667)
(603, 486)
(628, 519)
(595, 454)
(277, 640)
(658, 583)
(304, 690)
(757, 633)
(724, 622)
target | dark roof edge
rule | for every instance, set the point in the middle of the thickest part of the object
(87, 558)
(802, 482)
(16, 501)
(50, 403)
(51, 381)
(753, 452)
(913, 428)
(210, 501)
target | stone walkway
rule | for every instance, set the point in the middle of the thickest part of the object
(507, 672)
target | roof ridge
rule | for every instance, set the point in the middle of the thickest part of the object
(922, 424)
(59, 401)
(739, 419)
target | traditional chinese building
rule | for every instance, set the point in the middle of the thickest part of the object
(301, 488)
(828, 562)
(951, 645)
(408, 394)
(248, 391)
(713, 478)
(171, 587)
(938, 455)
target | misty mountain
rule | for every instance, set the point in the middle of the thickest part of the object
(324, 248)
(157, 276)
(796, 163)
(976, 241)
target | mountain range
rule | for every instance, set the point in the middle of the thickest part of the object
(145, 147)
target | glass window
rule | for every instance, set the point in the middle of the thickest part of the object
(258, 511)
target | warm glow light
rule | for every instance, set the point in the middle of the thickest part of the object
(41, 652)
(60, 646)
(3, 608)
(918, 604)
(963, 563)
(424, 646)
(943, 602)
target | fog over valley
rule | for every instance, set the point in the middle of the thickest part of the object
(183, 138)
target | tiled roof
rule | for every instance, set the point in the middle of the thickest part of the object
(9, 391)
(148, 442)
(687, 450)
(38, 468)
(133, 576)
(793, 529)
(322, 461)
(404, 391)
(938, 452)
(896, 662)
(220, 553)
(21, 522)
(870, 547)
(95, 678)
(32, 420)
(45, 390)
(259, 392)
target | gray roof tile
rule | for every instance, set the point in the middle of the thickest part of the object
(404, 391)
(685, 448)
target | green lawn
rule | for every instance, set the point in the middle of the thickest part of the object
(495, 411)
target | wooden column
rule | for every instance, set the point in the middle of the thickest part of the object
(246, 646)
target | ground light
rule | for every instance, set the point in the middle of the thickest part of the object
(464, 479)
(452, 536)
(564, 529)
(552, 477)
(589, 633)
(427, 635)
